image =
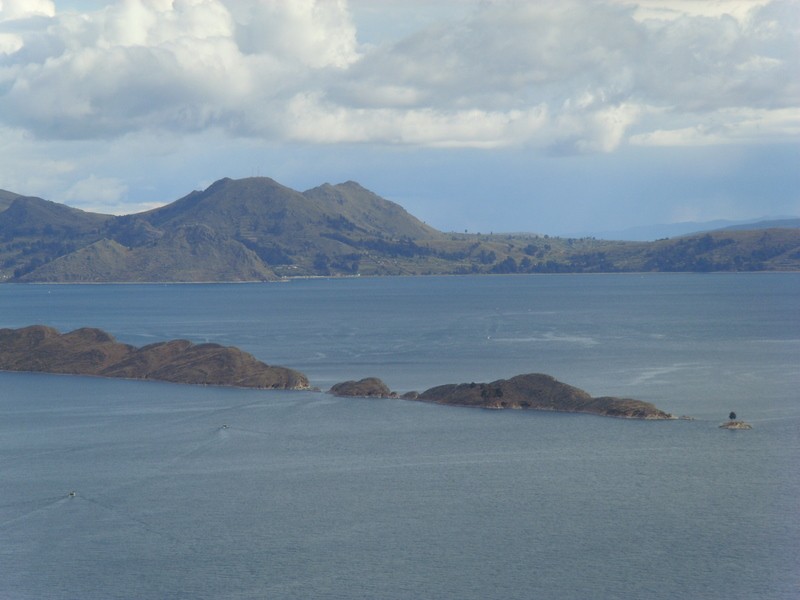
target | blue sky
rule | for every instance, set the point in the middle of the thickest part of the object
(489, 115)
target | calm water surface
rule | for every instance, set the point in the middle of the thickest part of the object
(194, 492)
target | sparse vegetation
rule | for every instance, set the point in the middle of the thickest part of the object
(257, 229)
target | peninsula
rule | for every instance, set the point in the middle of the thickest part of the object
(534, 391)
(90, 351)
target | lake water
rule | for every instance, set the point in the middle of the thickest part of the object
(199, 492)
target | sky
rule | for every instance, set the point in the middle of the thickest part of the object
(556, 117)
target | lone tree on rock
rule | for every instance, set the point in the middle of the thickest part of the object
(732, 416)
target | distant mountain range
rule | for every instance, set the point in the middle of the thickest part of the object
(256, 229)
(648, 233)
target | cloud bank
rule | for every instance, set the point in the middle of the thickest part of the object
(563, 77)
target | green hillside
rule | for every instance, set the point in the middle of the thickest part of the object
(256, 229)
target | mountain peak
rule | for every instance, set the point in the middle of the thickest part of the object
(255, 229)
(350, 184)
(244, 182)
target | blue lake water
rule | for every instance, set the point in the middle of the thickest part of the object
(198, 492)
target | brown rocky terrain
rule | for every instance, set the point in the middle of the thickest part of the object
(539, 392)
(533, 391)
(369, 387)
(90, 351)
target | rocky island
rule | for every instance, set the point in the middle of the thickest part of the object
(533, 391)
(369, 387)
(735, 425)
(89, 351)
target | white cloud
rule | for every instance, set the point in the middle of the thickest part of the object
(163, 22)
(10, 43)
(563, 76)
(311, 119)
(20, 9)
(176, 64)
(98, 194)
(13, 14)
(728, 127)
(675, 9)
(31, 167)
(314, 33)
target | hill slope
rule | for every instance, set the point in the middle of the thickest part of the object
(235, 230)
(256, 229)
(765, 224)
(34, 231)
(190, 253)
(6, 198)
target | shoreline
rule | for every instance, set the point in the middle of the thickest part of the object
(408, 276)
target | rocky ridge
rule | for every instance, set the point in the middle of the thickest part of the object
(534, 391)
(89, 351)
(256, 229)
(369, 387)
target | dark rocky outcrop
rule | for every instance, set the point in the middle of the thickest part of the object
(533, 391)
(538, 392)
(90, 351)
(369, 387)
